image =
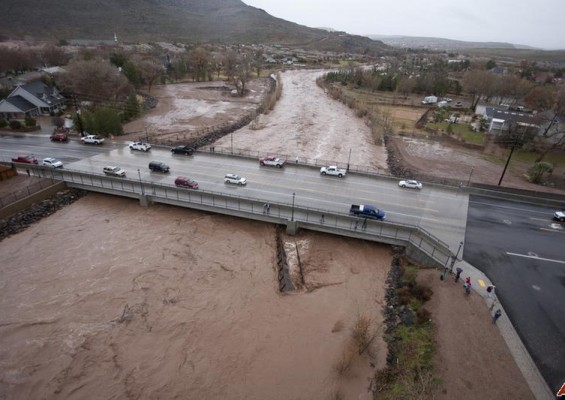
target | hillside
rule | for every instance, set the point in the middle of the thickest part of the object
(433, 43)
(228, 21)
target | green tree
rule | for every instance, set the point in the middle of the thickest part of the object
(131, 72)
(490, 65)
(132, 107)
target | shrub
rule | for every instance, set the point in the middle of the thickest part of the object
(3, 123)
(29, 121)
(15, 124)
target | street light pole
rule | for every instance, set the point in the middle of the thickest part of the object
(348, 159)
(456, 256)
(231, 134)
(292, 213)
(470, 175)
(140, 182)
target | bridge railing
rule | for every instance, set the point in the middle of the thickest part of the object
(256, 208)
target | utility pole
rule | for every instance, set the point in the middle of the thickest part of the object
(79, 119)
(511, 151)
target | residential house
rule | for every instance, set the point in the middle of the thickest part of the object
(30, 100)
(502, 120)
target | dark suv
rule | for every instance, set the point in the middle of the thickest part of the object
(186, 150)
(158, 166)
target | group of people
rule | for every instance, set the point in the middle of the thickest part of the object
(490, 292)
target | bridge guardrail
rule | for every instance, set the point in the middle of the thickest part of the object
(278, 212)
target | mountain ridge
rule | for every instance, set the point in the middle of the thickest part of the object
(197, 21)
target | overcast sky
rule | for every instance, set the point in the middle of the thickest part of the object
(539, 23)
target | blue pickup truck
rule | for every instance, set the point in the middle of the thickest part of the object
(367, 211)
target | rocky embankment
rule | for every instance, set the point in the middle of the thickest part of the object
(23, 219)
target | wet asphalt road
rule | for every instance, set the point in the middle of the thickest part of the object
(522, 250)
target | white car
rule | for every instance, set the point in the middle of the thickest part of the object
(411, 184)
(92, 139)
(52, 162)
(559, 216)
(141, 146)
(236, 179)
(114, 171)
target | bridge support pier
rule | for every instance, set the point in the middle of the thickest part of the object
(145, 201)
(292, 228)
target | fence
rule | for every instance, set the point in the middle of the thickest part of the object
(26, 192)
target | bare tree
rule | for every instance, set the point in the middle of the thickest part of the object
(230, 63)
(242, 73)
(150, 69)
(199, 61)
(477, 83)
(96, 80)
(54, 56)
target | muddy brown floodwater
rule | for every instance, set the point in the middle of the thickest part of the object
(106, 299)
(109, 300)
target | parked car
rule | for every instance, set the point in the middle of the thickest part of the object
(186, 150)
(52, 162)
(235, 179)
(183, 181)
(158, 166)
(141, 146)
(272, 161)
(25, 158)
(59, 137)
(559, 216)
(411, 184)
(114, 171)
(92, 139)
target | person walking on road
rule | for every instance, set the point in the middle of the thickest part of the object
(496, 316)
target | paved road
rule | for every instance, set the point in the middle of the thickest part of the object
(521, 249)
(440, 211)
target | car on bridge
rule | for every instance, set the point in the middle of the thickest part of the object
(235, 179)
(59, 137)
(113, 170)
(158, 166)
(141, 146)
(183, 181)
(272, 161)
(25, 159)
(410, 184)
(52, 162)
(185, 150)
(559, 216)
(92, 139)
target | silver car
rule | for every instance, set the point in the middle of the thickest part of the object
(52, 162)
(411, 184)
(114, 171)
(235, 179)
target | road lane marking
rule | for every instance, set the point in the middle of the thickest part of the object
(535, 257)
(551, 230)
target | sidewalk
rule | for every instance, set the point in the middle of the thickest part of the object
(533, 377)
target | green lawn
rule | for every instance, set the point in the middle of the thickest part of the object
(460, 130)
